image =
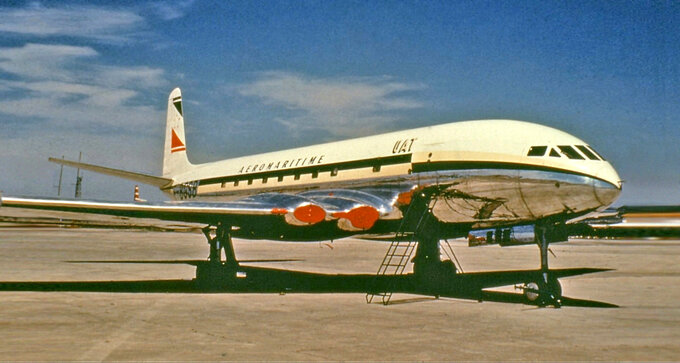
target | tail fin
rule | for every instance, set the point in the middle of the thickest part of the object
(175, 159)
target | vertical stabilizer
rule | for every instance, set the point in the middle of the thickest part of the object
(175, 159)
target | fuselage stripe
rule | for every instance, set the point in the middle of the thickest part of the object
(423, 167)
(348, 165)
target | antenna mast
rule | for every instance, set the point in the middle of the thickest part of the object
(61, 173)
(79, 179)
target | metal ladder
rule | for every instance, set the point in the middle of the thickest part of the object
(399, 253)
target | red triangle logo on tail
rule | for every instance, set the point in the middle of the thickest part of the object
(176, 144)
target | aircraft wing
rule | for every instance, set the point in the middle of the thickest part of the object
(352, 210)
(186, 212)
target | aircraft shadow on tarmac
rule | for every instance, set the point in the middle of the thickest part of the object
(249, 279)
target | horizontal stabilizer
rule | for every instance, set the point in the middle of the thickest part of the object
(138, 177)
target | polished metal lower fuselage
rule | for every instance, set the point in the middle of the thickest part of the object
(487, 198)
(475, 198)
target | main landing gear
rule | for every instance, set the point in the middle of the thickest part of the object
(430, 271)
(216, 270)
(546, 290)
(427, 263)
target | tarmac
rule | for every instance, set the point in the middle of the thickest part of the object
(49, 311)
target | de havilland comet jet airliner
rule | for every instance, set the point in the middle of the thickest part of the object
(420, 185)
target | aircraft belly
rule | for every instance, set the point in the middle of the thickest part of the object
(477, 198)
(487, 198)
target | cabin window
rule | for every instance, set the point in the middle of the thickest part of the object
(250, 181)
(297, 177)
(264, 180)
(537, 151)
(315, 174)
(376, 168)
(554, 153)
(587, 152)
(334, 172)
(570, 152)
(595, 152)
(236, 183)
(280, 178)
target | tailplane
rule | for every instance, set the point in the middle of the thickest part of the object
(174, 155)
(175, 159)
(158, 181)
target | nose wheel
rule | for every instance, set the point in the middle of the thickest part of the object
(546, 290)
(543, 294)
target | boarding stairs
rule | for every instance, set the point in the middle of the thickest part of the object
(400, 251)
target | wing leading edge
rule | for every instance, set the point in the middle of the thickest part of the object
(345, 210)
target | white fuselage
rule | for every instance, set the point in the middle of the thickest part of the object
(489, 172)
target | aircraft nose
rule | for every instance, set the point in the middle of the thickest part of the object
(610, 175)
(608, 186)
(606, 193)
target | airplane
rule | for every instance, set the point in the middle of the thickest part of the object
(421, 185)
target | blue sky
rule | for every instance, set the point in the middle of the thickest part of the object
(261, 76)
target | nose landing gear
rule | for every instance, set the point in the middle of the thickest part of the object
(543, 294)
(546, 290)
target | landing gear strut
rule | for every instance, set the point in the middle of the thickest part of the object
(428, 267)
(427, 263)
(215, 270)
(547, 289)
(222, 240)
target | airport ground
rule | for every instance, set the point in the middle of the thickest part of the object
(80, 325)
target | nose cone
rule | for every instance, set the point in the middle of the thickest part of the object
(608, 174)
(608, 186)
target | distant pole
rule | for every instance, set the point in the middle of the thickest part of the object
(79, 179)
(61, 172)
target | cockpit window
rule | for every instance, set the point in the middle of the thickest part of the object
(595, 152)
(587, 152)
(554, 153)
(570, 152)
(537, 151)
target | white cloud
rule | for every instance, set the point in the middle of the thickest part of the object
(343, 106)
(63, 98)
(124, 76)
(57, 85)
(91, 22)
(89, 114)
(43, 61)
(172, 10)
(328, 95)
